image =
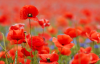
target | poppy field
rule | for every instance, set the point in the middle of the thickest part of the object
(49, 31)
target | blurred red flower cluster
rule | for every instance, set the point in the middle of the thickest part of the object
(50, 32)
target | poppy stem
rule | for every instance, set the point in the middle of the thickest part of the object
(16, 57)
(78, 44)
(78, 47)
(93, 46)
(31, 39)
(4, 47)
(43, 35)
(60, 57)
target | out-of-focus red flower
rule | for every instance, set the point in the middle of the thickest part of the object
(45, 35)
(64, 51)
(28, 11)
(97, 18)
(12, 52)
(86, 12)
(44, 50)
(3, 54)
(68, 15)
(4, 20)
(16, 35)
(64, 44)
(52, 30)
(86, 29)
(84, 21)
(94, 36)
(93, 57)
(86, 50)
(22, 61)
(61, 22)
(17, 26)
(49, 58)
(81, 58)
(26, 53)
(12, 42)
(2, 62)
(63, 41)
(73, 32)
(43, 23)
(37, 43)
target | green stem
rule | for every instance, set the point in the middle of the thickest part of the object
(61, 56)
(43, 35)
(4, 47)
(93, 46)
(16, 57)
(35, 58)
(31, 39)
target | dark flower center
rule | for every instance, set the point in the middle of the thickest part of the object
(30, 15)
(63, 44)
(24, 31)
(48, 59)
(44, 39)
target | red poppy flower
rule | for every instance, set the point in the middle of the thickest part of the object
(22, 61)
(52, 30)
(44, 50)
(93, 57)
(12, 52)
(17, 26)
(72, 32)
(63, 41)
(44, 23)
(3, 54)
(86, 29)
(16, 35)
(28, 11)
(86, 50)
(2, 62)
(69, 15)
(63, 44)
(49, 58)
(84, 21)
(45, 35)
(36, 43)
(64, 51)
(86, 12)
(61, 22)
(12, 42)
(4, 19)
(94, 36)
(81, 58)
(26, 53)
